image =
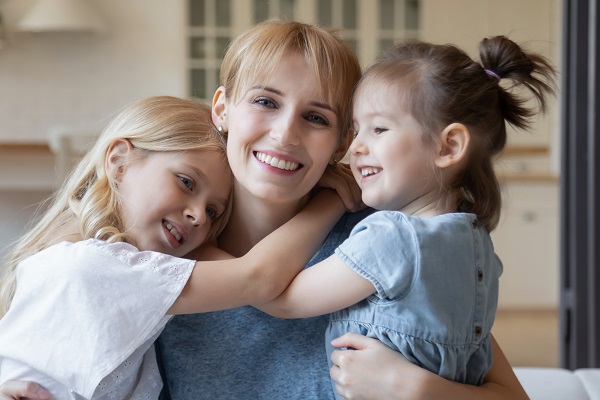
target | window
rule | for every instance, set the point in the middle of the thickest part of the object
(369, 27)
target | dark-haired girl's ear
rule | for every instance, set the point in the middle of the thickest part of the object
(219, 109)
(116, 159)
(454, 144)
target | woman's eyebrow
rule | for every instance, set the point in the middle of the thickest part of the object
(280, 93)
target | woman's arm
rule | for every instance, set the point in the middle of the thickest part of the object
(266, 270)
(13, 390)
(374, 371)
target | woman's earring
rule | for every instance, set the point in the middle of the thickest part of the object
(333, 164)
(222, 131)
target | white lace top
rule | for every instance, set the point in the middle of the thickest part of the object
(85, 316)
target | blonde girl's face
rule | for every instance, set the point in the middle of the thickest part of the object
(388, 156)
(281, 134)
(170, 200)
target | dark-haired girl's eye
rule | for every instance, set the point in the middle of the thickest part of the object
(187, 182)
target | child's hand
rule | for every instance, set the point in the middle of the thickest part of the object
(19, 389)
(340, 179)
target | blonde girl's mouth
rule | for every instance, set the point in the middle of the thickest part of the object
(173, 231)
(276, 162)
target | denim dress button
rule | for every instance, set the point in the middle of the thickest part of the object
(479, 275)
(478, 331)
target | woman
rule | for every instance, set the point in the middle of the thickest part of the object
(285, 105)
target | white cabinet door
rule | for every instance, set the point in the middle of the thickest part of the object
(527, 242)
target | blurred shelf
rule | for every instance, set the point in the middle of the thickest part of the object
(34, 147)
(26, 166)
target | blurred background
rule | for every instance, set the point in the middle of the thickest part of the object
(66, 66)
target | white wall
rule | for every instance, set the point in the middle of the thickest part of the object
(79, 80)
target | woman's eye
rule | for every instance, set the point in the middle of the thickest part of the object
(317, 119)
(264, 102)
(187, 182)
(212, 213)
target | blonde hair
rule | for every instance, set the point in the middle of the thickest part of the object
(260, 49)
(155, 124)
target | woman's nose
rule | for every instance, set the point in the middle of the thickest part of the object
(286, 133)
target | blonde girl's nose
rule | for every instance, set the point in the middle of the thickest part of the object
(197, 214)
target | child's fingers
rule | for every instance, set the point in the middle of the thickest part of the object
(352, 340)
(11, 390)
(341, 180)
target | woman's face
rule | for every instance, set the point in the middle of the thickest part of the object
(281, 133)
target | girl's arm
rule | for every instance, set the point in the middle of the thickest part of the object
(374, 371)
(323, 288)
(266, 270)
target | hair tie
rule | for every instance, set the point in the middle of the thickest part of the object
(492, 74)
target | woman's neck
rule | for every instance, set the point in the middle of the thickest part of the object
(252, 219)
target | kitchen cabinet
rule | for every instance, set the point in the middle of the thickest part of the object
(527, 242)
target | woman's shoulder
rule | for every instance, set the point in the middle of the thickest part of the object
(339, 233)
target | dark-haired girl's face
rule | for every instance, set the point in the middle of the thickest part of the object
(389, 157)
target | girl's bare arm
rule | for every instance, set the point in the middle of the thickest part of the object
(266, 270)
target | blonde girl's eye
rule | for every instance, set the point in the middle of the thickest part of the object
(212, 213)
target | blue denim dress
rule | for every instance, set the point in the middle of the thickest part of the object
(436, 283)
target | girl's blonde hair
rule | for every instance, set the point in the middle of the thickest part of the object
(441, 84)
(260, 49)
(155, 124)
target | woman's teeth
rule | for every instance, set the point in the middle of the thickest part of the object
(172, 230)
(370, 171)
(276, 162)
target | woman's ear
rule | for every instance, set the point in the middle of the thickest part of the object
(219, 109)
(454, 144)
(116, 159)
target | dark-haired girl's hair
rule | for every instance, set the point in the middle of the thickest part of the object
(441, 85)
